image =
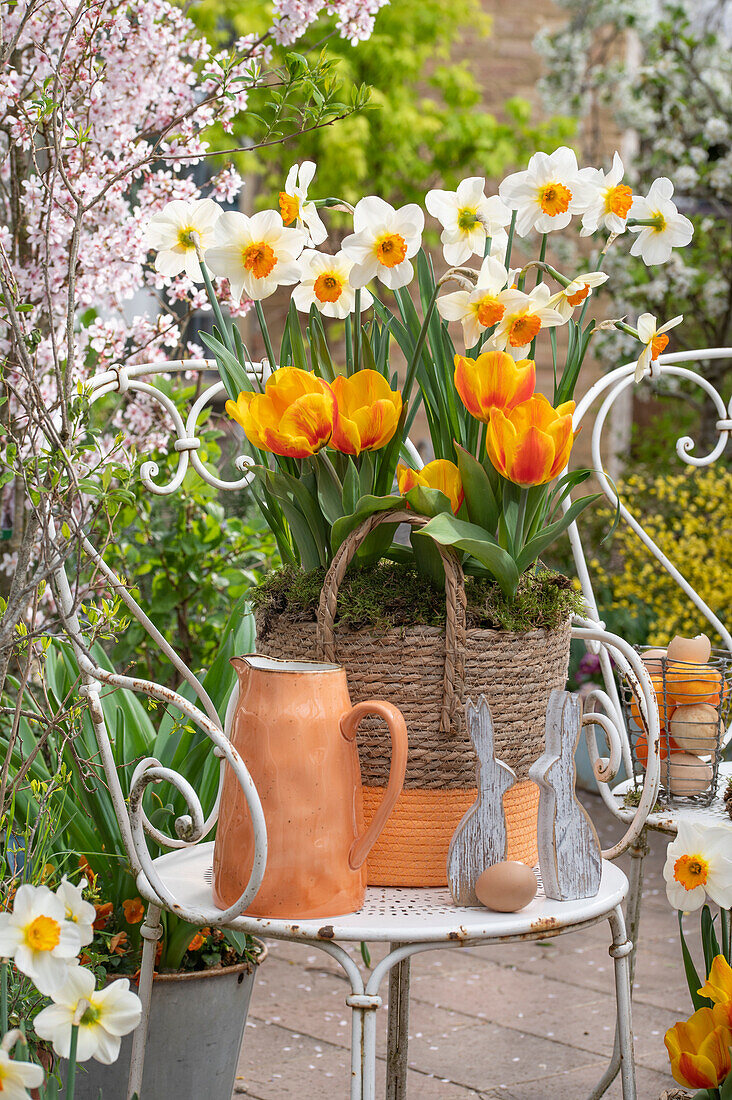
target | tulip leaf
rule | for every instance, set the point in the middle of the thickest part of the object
(329, 489)
(427, 557)
(479, 496)
(474, 540)
(366, 507)
(351, 488)
(693, 980)
(428, 502)
(708, 938)
(536, 546)
(302, 513)
(725, 1090)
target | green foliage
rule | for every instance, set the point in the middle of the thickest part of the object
(85, 826)
(386, 596)
(424, 125)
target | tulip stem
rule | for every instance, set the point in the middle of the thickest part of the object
(265, 336)
(71, 1072)
(3, 997)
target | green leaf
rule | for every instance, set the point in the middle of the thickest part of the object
(233, 374)
(330, 491)
(366, 507)
(351, 488)
(479, 496)
(692, 978)
(709, 938)
(535, 547)
(428, 502)
(449, 531)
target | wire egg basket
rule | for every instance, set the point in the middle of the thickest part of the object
(695, 705)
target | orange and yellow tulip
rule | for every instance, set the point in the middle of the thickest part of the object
(530, 444)
(440, 474)
(699, 1050)
(368, 412)
(718, 986)
(493, 381)
(294, 417)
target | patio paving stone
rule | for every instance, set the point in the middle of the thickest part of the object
(520, 1022)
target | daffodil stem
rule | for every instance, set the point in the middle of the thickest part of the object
(724, 915)
(214, 301)
(357, 331)
(265, 335)
(487, 248)
(539, 279)
(4, 1024)
(71, 1072)
(412, 368)
(509, 246)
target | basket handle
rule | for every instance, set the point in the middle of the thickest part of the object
(455, 629)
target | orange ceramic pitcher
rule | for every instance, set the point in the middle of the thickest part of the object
(294, 727)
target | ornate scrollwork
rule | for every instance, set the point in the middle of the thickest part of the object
(185, 444)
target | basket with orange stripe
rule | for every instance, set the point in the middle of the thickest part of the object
(428, 672)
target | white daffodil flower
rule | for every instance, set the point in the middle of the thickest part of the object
(39, 939)
(610, 202)
(79, 912)
(480, 308)
(699, 866)
(525, 315)
(324, 284)
(572, 295)
(670, 230)
(654, 341)
(256, 254)
(294, 206)
(17, 1077)
(103, 1017)
(171, 230)
(468, 217)
(383, 242)
(548, 193)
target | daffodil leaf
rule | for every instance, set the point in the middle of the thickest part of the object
(233, 373)
(479, 497)
(474, 540)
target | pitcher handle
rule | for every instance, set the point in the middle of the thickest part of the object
(394, 719)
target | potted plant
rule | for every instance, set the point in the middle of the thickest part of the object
(336, 474)
(203, 976)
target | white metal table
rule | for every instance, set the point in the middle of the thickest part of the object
(411, 921)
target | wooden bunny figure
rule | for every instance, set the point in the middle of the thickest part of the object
(480, 839)
(569, 851)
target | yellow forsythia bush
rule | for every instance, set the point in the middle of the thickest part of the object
(689, 516)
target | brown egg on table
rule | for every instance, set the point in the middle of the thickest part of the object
(695, 728)
(506, 887)
(685, 773)
(692, 650)
(652, 659)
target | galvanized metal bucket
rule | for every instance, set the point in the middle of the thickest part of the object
(196, 1027)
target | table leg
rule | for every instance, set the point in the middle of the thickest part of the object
(397, 1050)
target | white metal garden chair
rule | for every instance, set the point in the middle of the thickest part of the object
(608, 390)
(410, 920)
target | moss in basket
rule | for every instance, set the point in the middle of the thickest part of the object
(387, 595)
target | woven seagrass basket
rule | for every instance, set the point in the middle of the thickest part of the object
(428, 672)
